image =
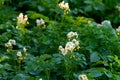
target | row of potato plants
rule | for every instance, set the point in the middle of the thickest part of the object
(37, 47)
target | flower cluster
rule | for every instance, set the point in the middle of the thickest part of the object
(24, 49)
(21, 19)
(72, 34)
(40, 79)
(40, 22)
(20, 55)
(82, 77)
(70, 45)
(10, 43)
(64, 6)
(118, 30)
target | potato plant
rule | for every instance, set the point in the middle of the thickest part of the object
(59, 40)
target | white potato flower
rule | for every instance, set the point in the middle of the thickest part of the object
(60, 47)
(64, 6)
(118, 29)
(12, 41)
(40, 22)
(61, 4)
(25, 19)
(63, 51)
(22, 19)
(82, 77)
(24, 49)
(72, 34)
(70, 46)
(8, 44)
(76, 42)
(75, 34)
(19, 54)
(17, 27)
(40, 79)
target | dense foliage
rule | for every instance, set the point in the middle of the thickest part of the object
(54, 40)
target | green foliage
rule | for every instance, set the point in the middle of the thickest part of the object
(30, 48)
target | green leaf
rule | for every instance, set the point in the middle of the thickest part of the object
(1, 66)
(41, 8)
(108, 25)
(108, 74)
(94, 57)
(96, 72)
(21, 76)
(35, 15)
